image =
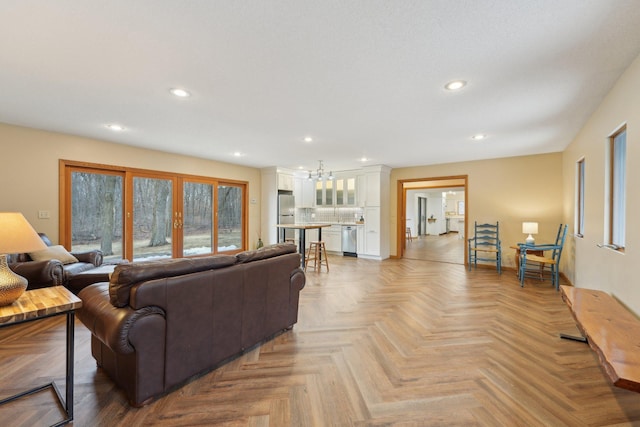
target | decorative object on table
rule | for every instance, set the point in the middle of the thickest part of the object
(530, 228)
(320, 176)
(16, 235)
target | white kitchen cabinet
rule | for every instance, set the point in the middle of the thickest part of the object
(345, 190)
(360, 242)
(361, 190)
(373, 189)
(324, 192)
(303, 192)
(372, 231)
(285, 182)
(332, 237)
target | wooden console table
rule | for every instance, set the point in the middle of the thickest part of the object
(40, 304)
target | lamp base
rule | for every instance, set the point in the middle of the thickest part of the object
(530, 240)
(11, 285)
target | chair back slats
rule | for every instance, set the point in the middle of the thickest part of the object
(484, 246)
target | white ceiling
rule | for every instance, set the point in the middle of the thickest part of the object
(362, 77)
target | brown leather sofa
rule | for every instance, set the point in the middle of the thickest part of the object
(42, 274)
(157, 324)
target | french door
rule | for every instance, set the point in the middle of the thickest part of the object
(141, 215)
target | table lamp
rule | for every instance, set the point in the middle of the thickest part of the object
(16, 236)
(530, 228)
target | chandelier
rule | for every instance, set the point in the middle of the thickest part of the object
(320, 176)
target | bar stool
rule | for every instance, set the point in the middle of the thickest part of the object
(409, 237)
(318, 254)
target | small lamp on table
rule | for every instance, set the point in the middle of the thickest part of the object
(16, 236)
(530, 228)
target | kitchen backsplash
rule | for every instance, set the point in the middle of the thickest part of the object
(332, 215)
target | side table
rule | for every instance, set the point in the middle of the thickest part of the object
(40, 304)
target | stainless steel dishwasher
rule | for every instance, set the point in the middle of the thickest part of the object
(349, 240)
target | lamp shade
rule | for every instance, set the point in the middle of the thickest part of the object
(530, 227)
(17, 235)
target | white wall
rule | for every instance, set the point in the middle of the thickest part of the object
(585, 264)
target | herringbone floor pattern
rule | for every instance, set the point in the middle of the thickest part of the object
(392, 343)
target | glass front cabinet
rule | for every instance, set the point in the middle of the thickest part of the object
(340, 191)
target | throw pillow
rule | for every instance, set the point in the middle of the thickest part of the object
(53, 252)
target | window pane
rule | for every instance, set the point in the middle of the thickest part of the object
(618, 188)
(198, 221)
(328, 196)
(340, 191)
(96, 213)
(229, 218)
(152, 219)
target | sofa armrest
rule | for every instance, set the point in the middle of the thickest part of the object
(112, 325)
(296, 283)
(40, 273)
(298, 279)
(92, 257)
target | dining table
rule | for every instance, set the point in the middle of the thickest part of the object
(302, 235)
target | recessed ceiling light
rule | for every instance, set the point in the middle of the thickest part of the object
(479, 136)
(181, 93)
(455, 85)
(308, 139)
(115, 127)
(237, 154)
(364, 159)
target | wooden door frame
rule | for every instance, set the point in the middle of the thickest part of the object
(441, 182)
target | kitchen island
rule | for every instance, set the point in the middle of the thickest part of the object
(302, 235)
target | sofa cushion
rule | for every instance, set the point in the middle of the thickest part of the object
(127, 275)
(53, 252)
(266, 252)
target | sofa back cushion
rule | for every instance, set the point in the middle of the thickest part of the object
(266, 252)
(126, 276)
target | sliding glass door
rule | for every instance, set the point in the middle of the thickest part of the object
(197, 218)
(229, 215)
(152, 232)
(137, 215)
(97, 212)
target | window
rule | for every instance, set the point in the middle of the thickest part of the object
(140, 214)
(617, 189)
(579, 219)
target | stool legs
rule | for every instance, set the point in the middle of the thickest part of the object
(318, 254)
(409, 237)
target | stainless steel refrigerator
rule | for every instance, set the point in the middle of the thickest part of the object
(286, 212)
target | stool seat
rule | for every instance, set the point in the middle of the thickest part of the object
(318, 254)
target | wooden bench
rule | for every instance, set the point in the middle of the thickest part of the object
(611, 330)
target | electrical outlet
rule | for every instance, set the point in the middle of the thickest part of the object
(44, 214)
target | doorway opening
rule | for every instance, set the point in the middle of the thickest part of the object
(433, 223)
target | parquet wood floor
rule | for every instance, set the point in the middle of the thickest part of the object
(449, 248)
(394, 343)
